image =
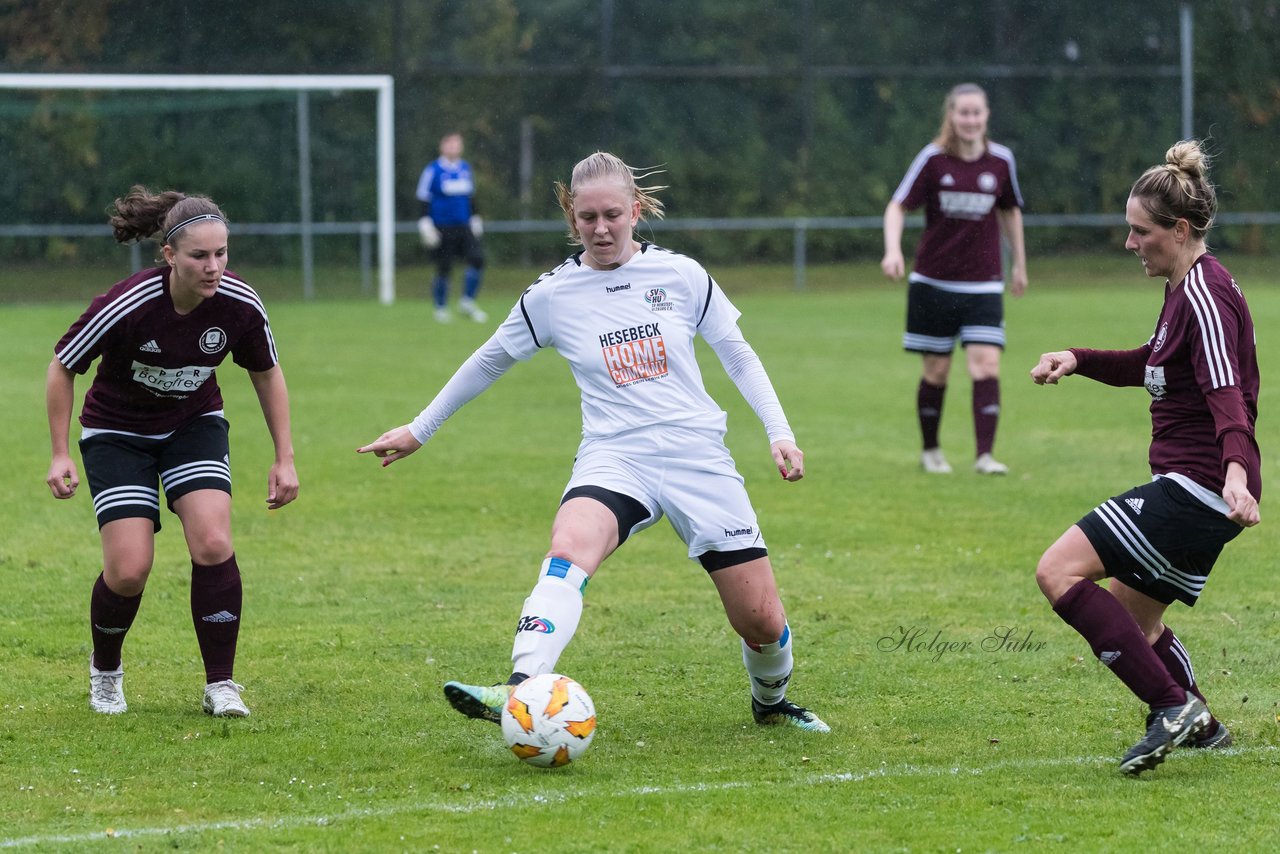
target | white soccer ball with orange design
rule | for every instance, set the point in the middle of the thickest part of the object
(549, 720)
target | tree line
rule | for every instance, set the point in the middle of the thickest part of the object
(752, 108)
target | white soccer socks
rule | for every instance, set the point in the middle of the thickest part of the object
(769, 666)
(550, 617)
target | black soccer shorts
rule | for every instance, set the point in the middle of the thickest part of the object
(124, 470)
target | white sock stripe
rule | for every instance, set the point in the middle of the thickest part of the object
(1183, 658)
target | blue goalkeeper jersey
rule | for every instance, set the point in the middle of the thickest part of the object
(447, 188)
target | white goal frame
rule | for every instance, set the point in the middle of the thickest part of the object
(383, 84)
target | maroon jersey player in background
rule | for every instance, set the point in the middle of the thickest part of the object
(153, 415)
(968, 187)
(1157, 542)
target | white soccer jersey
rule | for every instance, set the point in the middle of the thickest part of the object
(628, 337)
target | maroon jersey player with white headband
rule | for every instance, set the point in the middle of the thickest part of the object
(1158, 542)
(153, 417)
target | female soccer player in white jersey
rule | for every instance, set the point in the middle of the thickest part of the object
(624, 313)
(153, 414)
(968, 186)
(1157, 542)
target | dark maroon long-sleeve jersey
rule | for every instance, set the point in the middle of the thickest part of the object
(1201, 369)
(157, 368)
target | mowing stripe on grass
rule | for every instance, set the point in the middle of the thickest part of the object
(525, 801)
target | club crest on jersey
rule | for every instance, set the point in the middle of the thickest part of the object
(213, 340)
(987, 182)
(1160, 336)
(657, 299)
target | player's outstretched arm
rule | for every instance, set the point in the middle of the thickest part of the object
(59, 391)
(1053, 367)
(789, 459)
(392, 446)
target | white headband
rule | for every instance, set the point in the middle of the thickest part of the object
(186, 222)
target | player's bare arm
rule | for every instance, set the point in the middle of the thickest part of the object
(59, 390)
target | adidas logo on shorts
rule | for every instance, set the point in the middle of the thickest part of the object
(1109, 656)
(1135, 504)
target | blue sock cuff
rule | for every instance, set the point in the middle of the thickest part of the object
(568, 572)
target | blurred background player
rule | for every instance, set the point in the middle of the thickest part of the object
(625, 313)
(451, 227)
(153, 415)
(968, 187)
(1157, 542)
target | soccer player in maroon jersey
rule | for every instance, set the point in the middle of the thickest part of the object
(153, 415)
(968, 187)
(1157, 542)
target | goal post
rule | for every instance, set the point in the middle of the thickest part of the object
(382, 84)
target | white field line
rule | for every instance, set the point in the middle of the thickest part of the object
(525, 801)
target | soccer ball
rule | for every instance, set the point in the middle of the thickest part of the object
(549, 720)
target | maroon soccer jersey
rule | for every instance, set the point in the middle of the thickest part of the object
(960, 248)
(1201, 369)
(157, 368)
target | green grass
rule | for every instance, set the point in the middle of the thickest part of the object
(378, 585)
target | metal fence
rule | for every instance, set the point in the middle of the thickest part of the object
(799, 227)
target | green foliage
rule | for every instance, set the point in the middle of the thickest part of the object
(380, 584)
(805, 108)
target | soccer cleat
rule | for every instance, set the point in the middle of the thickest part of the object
(483, 702)
(785, 712)
(468, 308)
(933, 462)
(106, 690)
(987, 464)
(442, 315)
(1220, 740)
(1168, 728)
(222, 700)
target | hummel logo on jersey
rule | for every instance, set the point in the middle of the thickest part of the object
(1136, 504)
(1109, 657)
(947, 180)
(150, 347)
(220, 617)
(109, 630)
(614, 290)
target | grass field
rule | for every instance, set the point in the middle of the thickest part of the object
(377, 586)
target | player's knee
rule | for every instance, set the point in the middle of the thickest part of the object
(1053, 576)
(126, 579)
(211, 547)
(760, 628)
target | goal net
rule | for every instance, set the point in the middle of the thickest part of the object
(303, 165)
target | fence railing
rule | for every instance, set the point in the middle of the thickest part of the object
(800, 227)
